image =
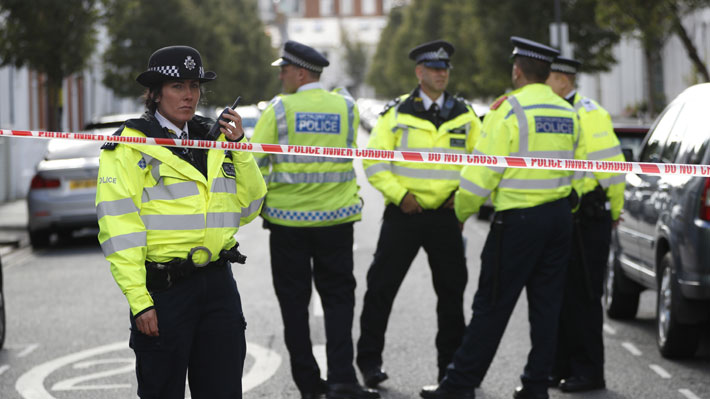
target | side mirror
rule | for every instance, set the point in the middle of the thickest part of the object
(628, 154)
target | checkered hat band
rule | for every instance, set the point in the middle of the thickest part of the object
(430, 56)
(564, 68)
(314, 216)
(529, 53)
(301, 62)
(172, 70)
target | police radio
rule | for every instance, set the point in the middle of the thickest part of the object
(213, 134)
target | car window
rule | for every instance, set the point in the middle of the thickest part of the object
(653, 149)
(695, 141)
(676, 133)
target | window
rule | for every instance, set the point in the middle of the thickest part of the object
(327, 7)
(652, 150)
(369, 7)
(697, 133)
(346, 7)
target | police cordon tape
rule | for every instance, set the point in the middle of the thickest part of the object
(388, 155)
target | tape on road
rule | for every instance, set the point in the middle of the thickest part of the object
(389, 155)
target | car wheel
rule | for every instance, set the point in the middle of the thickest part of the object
(621, 294)
(674, 339)
(2, 311)
(39, 238)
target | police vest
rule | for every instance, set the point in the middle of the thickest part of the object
(402, 128)
(309, 191)
(153, 206)
(532, 122)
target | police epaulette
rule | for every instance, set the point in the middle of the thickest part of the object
(112, 146)
(498, 103)
(391, 104)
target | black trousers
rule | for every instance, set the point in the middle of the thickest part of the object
(300, 257)
(201, 328)
(400, 238)
(580, 346)
(525, 248)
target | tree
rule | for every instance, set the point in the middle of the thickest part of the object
(355, 60)
(228, 34)
(55, 38)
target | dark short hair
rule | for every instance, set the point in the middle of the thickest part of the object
(534, 70)
(313, 74)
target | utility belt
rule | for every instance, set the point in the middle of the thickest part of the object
(594, 205)
(161, 276)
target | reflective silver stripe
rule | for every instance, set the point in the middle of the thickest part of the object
(313, 216)
(523, 130)
(404, 141)
(217, 220)
(156, 171)
(308, 159)
(122, 206)
(552, 154)
(253, 207)
(604, 154)
(610, 181)
(263, 162)
(351, 120)
(224, 185)
(426, 173)
(536, 184)
(281, 124)
(377, 168)
(170, 192)
(495, 169)
(123, 241)
(327, 177)
(579, 174)
(434, 149)
(474, 188)
(174, 222)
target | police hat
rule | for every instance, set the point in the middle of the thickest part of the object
(531, 49)
(174, 63)
(302, 56)
(436, 54)
(565, 65)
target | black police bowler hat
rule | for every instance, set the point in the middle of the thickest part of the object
(295, 53)
(565, 65)
(532, 49)
(435, 54)
(174, 63)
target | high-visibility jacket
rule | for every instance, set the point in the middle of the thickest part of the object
(532, 121)
(401, 127)
(309, 191)
(153, 206)
(602, 145)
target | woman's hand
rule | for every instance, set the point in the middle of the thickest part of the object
(232, 132)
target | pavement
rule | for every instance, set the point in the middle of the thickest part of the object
(13, 226)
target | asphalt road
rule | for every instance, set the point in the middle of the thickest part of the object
(68, 328)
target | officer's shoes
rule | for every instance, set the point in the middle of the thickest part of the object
(350, 391)
(526, 393)
(318, 392)
(440, 392)
(581, 384)
(374, 376)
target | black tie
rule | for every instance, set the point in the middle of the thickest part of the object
(184, 136)
(434, 108)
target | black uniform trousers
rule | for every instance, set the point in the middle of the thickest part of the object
(201, 329)
(401, 236)
(580, 346)
(331, 251)
(525, 248)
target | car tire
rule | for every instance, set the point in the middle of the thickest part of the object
(40, 238)
(675, 339)
(621, 294)
(2, 310)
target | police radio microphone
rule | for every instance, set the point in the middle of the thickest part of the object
(213, 134)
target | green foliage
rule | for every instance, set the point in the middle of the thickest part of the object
(228, 34)
(355, 60)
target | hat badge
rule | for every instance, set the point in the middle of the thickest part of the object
(190, 63)
(442, 54)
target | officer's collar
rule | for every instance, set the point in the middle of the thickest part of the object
(310, 86)
(164, 122)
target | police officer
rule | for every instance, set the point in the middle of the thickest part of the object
(419, 206)
(529, 243)
(310, 210)
(167, 220)
(580, 348)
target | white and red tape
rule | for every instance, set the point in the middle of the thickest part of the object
(410, 156)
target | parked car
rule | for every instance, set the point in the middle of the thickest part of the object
(250, 115)
(63, 189)
(2, 310)
(663, 240)
(630, 137)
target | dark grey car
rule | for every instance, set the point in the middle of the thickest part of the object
(663, 240)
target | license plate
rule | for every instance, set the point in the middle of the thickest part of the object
(78, 184)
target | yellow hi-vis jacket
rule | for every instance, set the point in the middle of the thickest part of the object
(532, 121)
(602, 145)
(401, 127)
(153, 206)
(310, 191)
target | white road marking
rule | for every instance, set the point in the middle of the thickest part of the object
(322, 360)
(609, 329)
(660, 371)
(17, 258)
(4, 368)
(266, 362)
(632, 348)
(317, 304)
(29, 349)
(688, 394)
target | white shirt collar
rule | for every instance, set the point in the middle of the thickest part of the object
(571, 94)
(310, 86)
(428, 101)
(167, 124)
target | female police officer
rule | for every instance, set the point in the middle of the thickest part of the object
(167, 219)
